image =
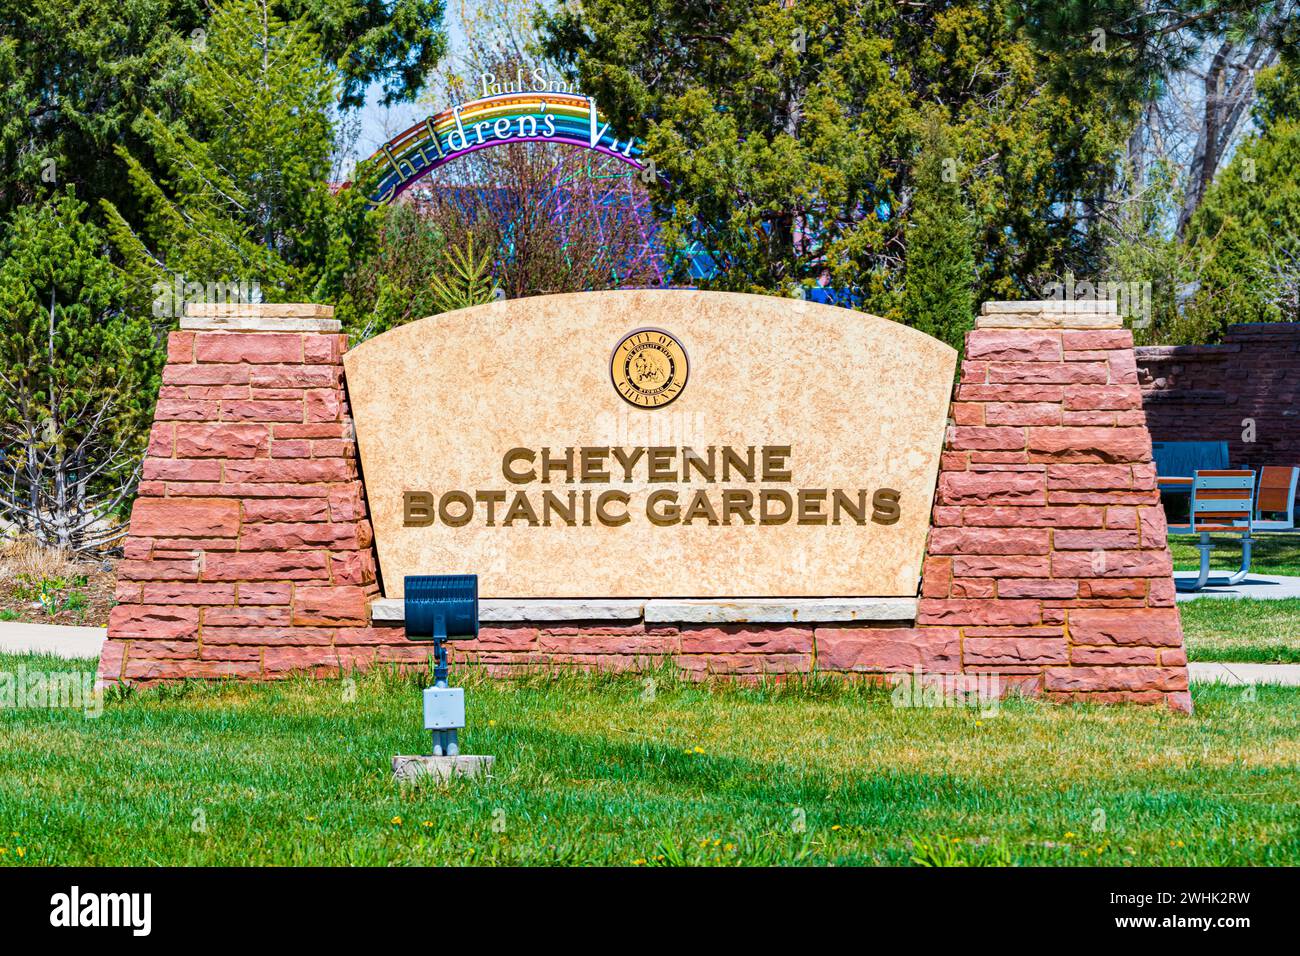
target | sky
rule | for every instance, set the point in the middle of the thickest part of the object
(380, 123)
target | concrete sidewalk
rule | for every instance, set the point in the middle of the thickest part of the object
(1261, 587)
(61, 640)
(1206, 672)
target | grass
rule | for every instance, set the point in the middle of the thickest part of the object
(1262, 631)
(1223, 629)
(1271, 554)
(602, 769)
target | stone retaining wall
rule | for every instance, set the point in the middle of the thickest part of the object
(1215, 392)
(250, 554)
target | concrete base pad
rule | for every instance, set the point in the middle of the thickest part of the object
(1262, 587)
(410, 768)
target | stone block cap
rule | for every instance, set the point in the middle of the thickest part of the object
(261, 317)
(1050, 314)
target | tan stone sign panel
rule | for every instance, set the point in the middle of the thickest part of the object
(652, 443)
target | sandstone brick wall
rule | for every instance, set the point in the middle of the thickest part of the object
(1206, 392)
(702, 650)
(1048, 558)
(250, 554)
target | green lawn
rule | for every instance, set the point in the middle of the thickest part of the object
(1222, 629)
(1271, 554)
(1265, 631)
(598, 770)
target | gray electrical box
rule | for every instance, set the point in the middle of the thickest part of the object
(444, 708)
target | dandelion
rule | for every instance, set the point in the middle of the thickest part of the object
(426, 823)
(836, 827)
(311, 819)
(396, 821)
(21, 851)
(699, 750)
(640, 861)
(717, 842)
(3, 850)
(492, 723)
(729, 847)
(1069, 835)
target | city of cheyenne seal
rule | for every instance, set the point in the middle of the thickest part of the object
(649, 368)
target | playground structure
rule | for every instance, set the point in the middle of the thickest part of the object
(466, 128)
(584, 198)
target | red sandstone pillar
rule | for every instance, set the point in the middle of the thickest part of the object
(249, 547)
(1048, 550)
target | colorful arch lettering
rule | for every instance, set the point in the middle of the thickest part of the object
(548, 117)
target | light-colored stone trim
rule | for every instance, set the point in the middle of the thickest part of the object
(1050, 320)
(780, 610)
(506, 610)
(1050, 314)
(260, 317)
(676, 611)
(1037, 306)
(259, 324)
(269, 310)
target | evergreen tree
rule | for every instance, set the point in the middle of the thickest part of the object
(939, 297)
(389, 282)
(78, 376)
(786, 134)
(1246, 235)
(76, 74)
(243, 195)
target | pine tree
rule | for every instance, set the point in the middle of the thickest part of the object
(78, 376)
(785, 133)
(243, 197)
(939, 292)
(76, 74)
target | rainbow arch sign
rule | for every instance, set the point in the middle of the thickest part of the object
(520, 117)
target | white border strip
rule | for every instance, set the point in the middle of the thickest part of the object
(676, 610)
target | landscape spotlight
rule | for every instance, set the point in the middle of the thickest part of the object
(442, 607)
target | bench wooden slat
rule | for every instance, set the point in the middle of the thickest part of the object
(1223, 500)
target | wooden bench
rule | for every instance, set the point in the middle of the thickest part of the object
(1223, 502)
(1276, 495)
(1179, 460)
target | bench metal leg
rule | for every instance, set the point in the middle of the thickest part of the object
(1237, 576)
(1203, 578)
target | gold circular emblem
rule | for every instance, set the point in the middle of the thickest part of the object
(649, 368)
